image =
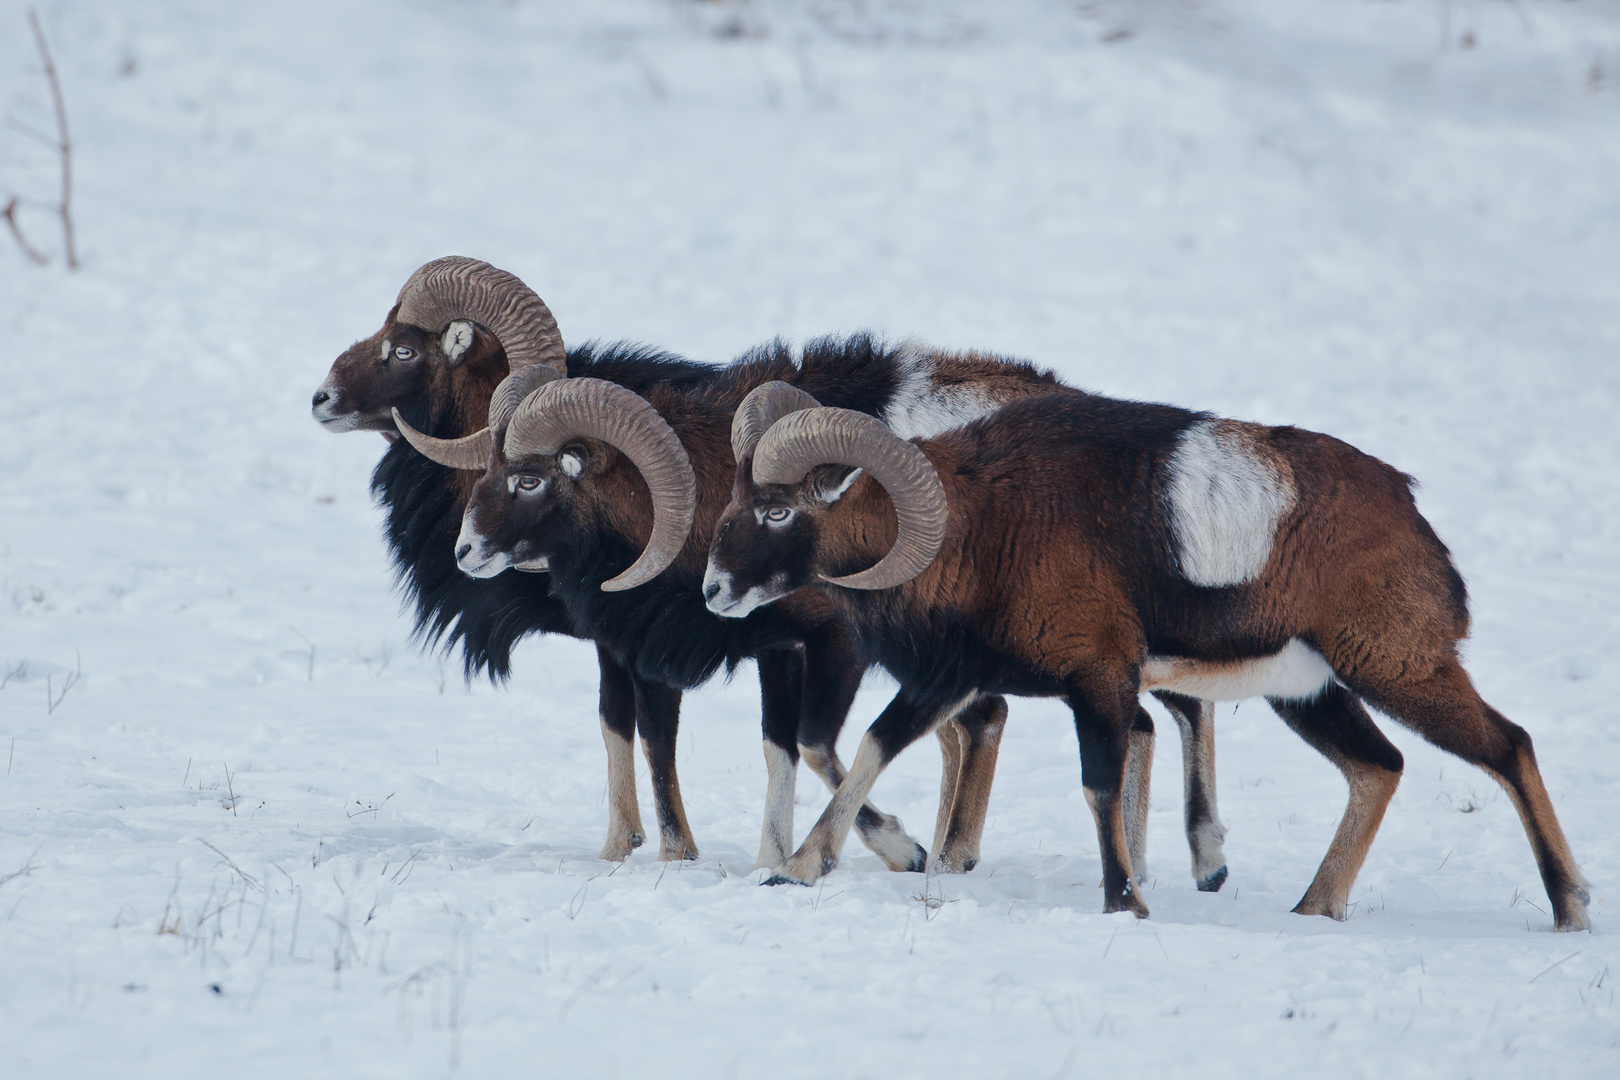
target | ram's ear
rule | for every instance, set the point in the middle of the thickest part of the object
(573, 461)
(829, 482)
(464, 339)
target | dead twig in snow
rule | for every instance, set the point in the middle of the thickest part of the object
(372, 810)
(311, 644)
(64, 144)
(52, 700)
(230, 790)
(247, 878)
(1571, 956)
(18, 672)
(403, 869)
(38, 257)
(27, 869)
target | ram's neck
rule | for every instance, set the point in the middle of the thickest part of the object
(861, 528)
(469, 391)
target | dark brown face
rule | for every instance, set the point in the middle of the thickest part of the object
(520, 510)
(766, 542)
(400, 366)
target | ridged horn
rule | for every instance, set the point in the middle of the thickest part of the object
(593, 409)
(456, 287)
(798, 443)
(764, 406)
(503, 403)
(472, 451)
(469, 452)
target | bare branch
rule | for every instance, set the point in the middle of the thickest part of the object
(18, 672)
(65, 142)
(33, 133)
(29, 867)
(69, 681)
(10, 214)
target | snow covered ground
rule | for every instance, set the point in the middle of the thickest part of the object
(260, 834)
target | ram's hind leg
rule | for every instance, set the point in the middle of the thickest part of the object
(1138, 788)
(1446, 709)
(952, 750)
(616, 703)
(832, 676)
(658, 716)
(1337, 725)
(961, 826)
(1205, 833)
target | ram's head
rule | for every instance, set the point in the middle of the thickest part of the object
(795, 462)
(573, 460)
(456, 330)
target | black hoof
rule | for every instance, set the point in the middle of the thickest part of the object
(969, 864)
(919, 861)
(690, 856)
(1214, 882)
(636, 840)
(778, 879)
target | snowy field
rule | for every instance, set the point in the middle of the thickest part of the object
(248, 829)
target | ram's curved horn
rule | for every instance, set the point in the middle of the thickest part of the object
(764, 406)
(798, 443)
(456, 287)
(593, 409)
(472, 451)
(468, 452)
(513, 389)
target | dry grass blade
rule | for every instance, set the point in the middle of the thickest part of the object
(247, 879)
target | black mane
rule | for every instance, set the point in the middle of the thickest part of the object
(423, 517)
(663, 630)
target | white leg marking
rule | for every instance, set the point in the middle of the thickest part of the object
(1138, 786)
(887, 839)
(624, 815)
(952, 747)
(819, 852)
(1205, 837)
(776, 838)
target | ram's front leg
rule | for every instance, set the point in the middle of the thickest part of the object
(832, 676)
(1104, 711)
(900, 725)
(781, 692)
(658, 716)
(617, 707)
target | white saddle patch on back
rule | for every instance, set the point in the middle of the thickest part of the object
(1225, 502)
(1296, 671)
(920, 408)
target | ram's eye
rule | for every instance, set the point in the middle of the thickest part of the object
(404, 352)
(778, 515)
(529, 483)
